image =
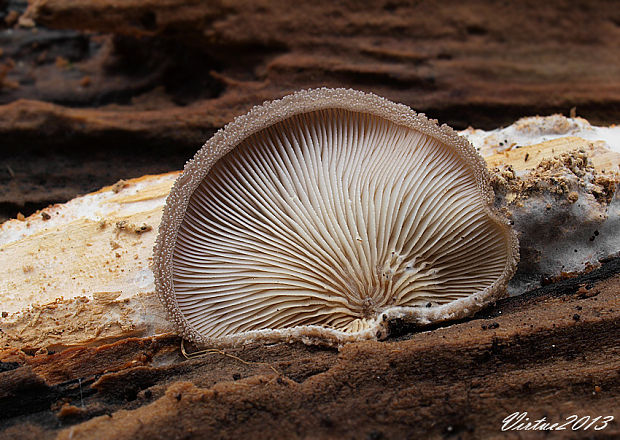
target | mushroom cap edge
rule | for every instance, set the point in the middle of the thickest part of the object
(272, 112)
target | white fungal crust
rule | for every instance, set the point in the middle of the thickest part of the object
(324, 215)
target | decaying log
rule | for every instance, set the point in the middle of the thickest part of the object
(531, 353)
(83, 354)
(79, 273)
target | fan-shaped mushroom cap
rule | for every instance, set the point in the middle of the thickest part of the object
(322, 216)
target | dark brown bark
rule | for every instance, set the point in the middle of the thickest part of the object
(552, 352)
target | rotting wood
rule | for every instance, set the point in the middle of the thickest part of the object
(532, 353)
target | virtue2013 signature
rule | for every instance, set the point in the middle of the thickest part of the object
(519, 421)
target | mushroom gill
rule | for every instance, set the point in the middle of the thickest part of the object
(324, 215)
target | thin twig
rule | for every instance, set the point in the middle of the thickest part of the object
(208, 351)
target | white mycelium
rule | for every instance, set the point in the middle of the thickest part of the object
(324, 215)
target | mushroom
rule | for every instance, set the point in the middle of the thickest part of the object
(323, 216)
